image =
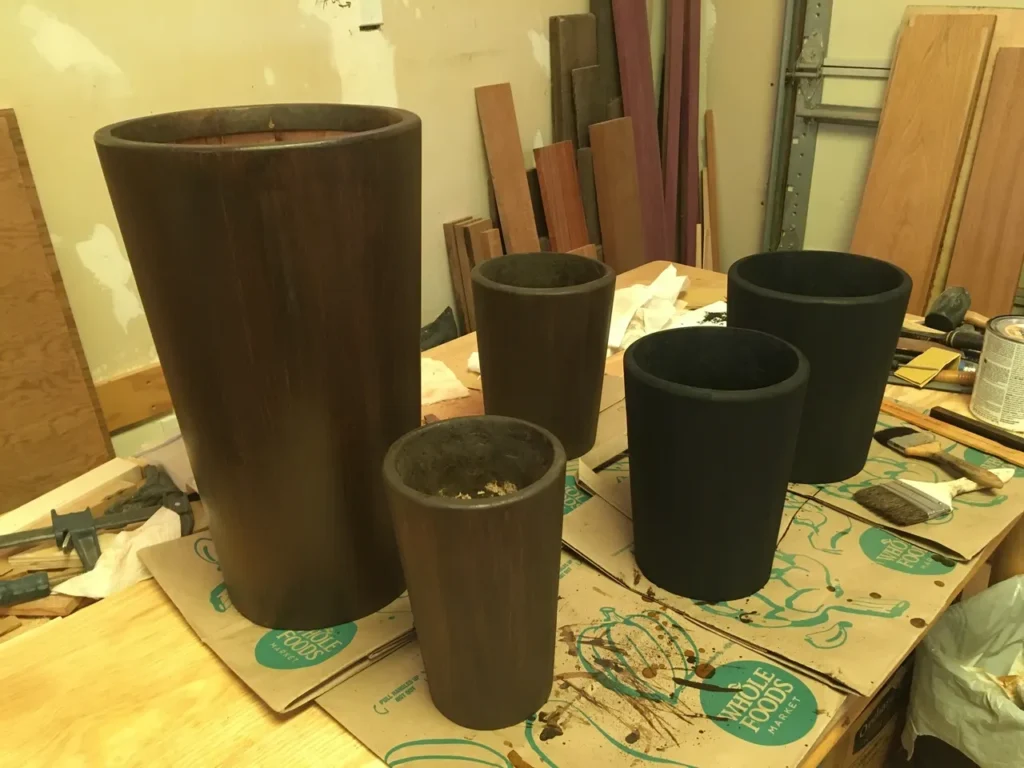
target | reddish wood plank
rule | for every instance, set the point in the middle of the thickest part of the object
(990, 242)
(634, 49)
(618, 198)
(573, 43)
(492, 243)
(560, 190)
(505, 162)
(607, 58)
(585, 171)
(689, 151)
(671, 115)
(476, 241)
(465, 269)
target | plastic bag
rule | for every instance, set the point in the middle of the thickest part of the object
(956, 695)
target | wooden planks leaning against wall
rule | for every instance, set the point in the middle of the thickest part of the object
(560, 190)
(989, 249)
(573, 41)
(920, 143)
(505, 162)
(51, 428)
(618, 200)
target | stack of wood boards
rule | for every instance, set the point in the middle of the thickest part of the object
(944, 186)
(607, 186)
(51, 426)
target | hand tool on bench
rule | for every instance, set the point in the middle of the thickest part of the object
(992, 432)
(960, 338)
(924, 445)
(908, 502)
(951, 309)
(78, 530)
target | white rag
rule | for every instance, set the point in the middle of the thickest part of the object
(438, 383)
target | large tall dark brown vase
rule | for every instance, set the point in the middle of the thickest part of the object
(277, 254)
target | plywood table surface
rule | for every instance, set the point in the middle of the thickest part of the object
(127, 682)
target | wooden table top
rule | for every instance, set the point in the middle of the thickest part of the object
(127, 682)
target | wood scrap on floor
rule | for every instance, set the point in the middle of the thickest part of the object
(920, 143)
(633, 44)
(989, 249)
(573, 43)
(618, 201)
(508, 171)
(455, 270)
(45, 607)
(560, 190)
(588, 191)
(465, 269)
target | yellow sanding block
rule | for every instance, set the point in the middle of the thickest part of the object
(928, 365)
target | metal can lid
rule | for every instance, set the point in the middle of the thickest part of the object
(1008, 326)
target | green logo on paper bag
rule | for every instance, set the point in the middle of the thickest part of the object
(760, 703)
(288, 649)
(898, 554)
(979, 459)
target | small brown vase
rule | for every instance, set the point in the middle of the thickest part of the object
(477, 507)
(542, 333)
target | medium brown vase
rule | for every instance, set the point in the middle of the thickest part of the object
(477, 505)
(277, 254)
(542, 331)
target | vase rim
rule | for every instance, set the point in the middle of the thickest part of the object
(795, 380)
(451, 503)
(171, 131)
(882, 297)
(606, 276)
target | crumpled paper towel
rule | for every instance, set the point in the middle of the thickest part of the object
(438, 383)
(642, 309)
(473, 364)
(711, 314)
(118, 566)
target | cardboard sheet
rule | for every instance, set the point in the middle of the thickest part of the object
(845, 601)
(284, 668)
(635, 684)
(977, 517)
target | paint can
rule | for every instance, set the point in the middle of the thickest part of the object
(998, 396)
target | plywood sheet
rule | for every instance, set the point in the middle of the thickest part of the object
(920, 143)
(505, 163)
(51, 429)
(617, 197)
(990, 242)
(634, 48)
(573, 42)
(560, 190)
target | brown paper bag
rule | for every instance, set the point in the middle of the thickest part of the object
(977, 517)
(845, 601)
(284, 668)
(634, 683)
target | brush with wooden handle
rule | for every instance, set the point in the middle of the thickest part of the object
(924, 445)
(909, 502)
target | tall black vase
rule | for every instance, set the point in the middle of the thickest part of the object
(277, 254)
(712, 415)
(844, 312)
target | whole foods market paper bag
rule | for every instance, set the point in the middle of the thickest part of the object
(844, 600)
(977, 517)
(634, 683)
(285, 668)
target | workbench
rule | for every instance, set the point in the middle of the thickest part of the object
(126, 682)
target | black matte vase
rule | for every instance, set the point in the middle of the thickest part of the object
(712, 415)
(844, 312)
(477, 506)
(277, 254)
(542, 332)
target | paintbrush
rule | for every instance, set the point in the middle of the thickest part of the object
(908, 502)
(924, 445)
